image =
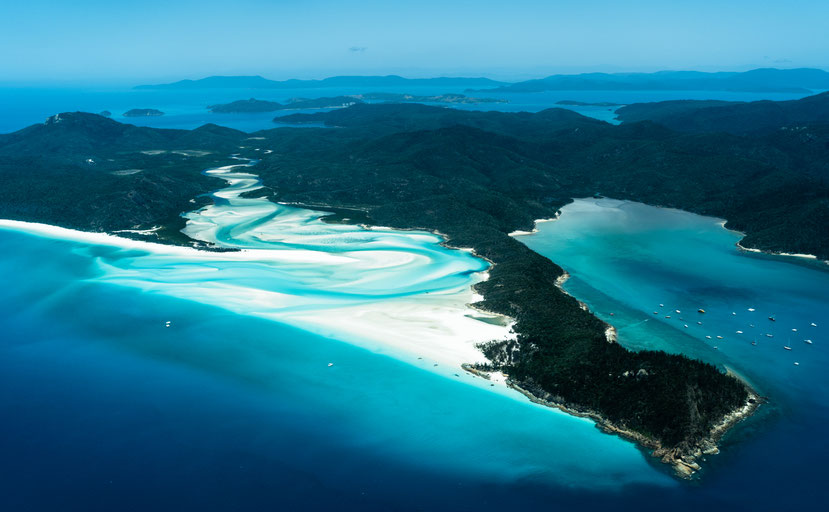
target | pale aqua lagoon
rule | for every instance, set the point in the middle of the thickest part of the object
(626, 259)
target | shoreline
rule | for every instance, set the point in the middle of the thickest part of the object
(810, 257)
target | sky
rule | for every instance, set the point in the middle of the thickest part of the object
(51, 41)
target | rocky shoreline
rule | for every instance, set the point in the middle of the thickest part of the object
(683, 460)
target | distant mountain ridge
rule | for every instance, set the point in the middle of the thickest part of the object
(801, 80)
(259, 82)
(732, 117)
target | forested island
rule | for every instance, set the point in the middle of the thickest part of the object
(475, 177)
(143, 112)
(254, 105)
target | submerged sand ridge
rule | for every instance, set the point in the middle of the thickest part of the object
(394, 292)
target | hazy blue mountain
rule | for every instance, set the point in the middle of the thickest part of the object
(757, 80)
(258, 82)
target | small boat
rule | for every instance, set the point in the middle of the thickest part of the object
(699, 323)
(739, 332)
(751, 325)
(770, 335)
(686, 326)
(330, 365)
(772, 319)
(787, 347)
(794, 330)
(719, 337)
(814, 324)
(662, 305)
(754, 342)
(700, 310)
(678, 311)
(733, 313)
(808, 342)
(656, 312)
(709, 337)
(796, 363)
(751, 309)
(667, 316)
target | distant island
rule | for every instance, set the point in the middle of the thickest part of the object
(254, 105)
(357, 82)
(803, 80)
(143, 112)
(575, 103)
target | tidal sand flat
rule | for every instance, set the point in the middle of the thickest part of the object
(390, 291)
